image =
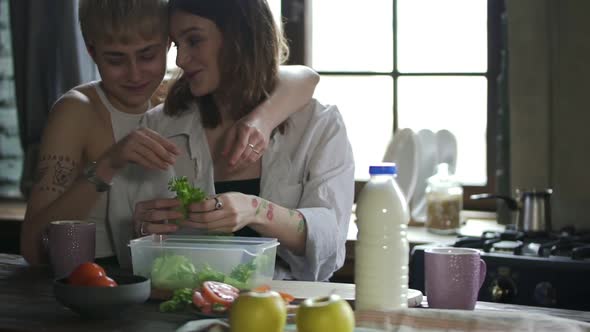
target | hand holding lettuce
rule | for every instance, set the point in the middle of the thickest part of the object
(186, 193)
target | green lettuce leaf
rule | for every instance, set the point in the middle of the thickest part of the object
(186, 193)
(173, 272)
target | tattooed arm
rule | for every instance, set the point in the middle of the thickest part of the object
(75, 134)
(57, 194)
(240, 210)
(294, 90)
(288, 225)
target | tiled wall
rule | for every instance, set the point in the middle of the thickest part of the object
(11, 156)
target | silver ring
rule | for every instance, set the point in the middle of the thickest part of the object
(218, 203)
(142, 231)
(253, 149)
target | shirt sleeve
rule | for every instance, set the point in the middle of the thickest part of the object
(326, 201)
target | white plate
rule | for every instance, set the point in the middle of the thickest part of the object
(403, 151)
(426, 168)
(447, 149)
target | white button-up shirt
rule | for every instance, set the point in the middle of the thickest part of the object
(309, 168)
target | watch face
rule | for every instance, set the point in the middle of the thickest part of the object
(90, 174)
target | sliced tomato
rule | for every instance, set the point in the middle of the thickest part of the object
(201, 303)
(219, 292)
(261, 288)
(288, 298)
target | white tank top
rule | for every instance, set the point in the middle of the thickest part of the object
(107, 232)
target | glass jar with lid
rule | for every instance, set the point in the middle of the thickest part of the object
(444, 201)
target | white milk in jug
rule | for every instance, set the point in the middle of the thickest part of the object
(381, 251)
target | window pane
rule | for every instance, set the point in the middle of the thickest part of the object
(11, 154)
(348, 35)
(275, 7)
(458, 104)
(366, 104)
(442, 36)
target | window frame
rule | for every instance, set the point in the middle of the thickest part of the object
(295, 27)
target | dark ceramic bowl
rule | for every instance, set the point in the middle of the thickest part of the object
(103, 302)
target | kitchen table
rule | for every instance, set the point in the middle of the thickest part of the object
(27, 304)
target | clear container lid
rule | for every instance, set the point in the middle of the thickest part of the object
(207, 242)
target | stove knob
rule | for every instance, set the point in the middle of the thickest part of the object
(502, 290)
(545, 294)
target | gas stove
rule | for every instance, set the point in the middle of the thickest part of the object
(537, 269)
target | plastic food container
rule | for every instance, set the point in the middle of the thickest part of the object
(181, 261)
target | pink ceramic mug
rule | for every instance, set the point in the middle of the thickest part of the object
(70, 243)
(453, 277)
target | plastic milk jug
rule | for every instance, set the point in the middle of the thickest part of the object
(382, 250)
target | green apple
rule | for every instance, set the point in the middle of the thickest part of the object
(322, 314)
(258, 312)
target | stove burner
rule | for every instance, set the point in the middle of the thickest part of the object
(581, 252)
(506, 246)
(566, 243)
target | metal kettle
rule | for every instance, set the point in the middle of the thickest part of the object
(533, 208)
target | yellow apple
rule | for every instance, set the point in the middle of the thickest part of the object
(322, 314)
(258, 312)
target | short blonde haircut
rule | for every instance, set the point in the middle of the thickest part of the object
(122, 20)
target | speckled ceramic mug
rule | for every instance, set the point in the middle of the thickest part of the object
(70, 243)
(453, 277)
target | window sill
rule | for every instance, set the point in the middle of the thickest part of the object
(474, 224)
(12, 210)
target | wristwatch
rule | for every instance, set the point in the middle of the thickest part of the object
(90, 175)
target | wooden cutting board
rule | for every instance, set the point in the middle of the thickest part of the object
(305, 289)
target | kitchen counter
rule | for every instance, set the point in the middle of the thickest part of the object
(27, 304)
(12, 213)
(474, 224)
(12, 210)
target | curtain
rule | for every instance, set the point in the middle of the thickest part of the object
(49, 59)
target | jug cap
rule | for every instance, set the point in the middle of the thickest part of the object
(383, 169)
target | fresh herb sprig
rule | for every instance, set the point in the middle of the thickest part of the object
(186, 193)
(181, 299)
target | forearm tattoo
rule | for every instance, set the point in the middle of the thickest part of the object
(300, 220)
(264, 206)
(268, 208)
(63, 168)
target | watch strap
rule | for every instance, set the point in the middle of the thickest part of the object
(90, 175)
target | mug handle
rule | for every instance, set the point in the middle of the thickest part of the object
(45, 242)
(482, 272)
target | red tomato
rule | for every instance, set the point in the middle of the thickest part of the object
(200, 302)
(218, 292)
(261, 288)
(288, 298)
(103, 281)
(85, 272)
